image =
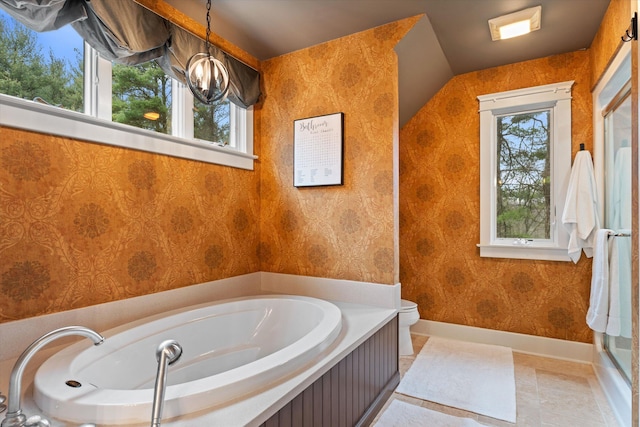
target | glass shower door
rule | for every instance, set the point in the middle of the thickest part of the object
(617, 166)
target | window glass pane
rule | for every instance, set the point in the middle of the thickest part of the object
(45, 67)
(524, 164)
(211, 122)
(142, 96)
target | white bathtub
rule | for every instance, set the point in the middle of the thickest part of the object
(231, 348)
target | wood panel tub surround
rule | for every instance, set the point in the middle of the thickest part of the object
(353, 391)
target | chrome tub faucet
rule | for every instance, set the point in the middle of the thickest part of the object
(14, 416)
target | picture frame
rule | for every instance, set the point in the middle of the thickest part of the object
(318, 151)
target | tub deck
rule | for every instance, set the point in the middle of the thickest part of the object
(359, 322)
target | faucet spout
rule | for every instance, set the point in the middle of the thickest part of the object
(15, 417)
(168, 352)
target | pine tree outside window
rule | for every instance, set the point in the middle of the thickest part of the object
(525, 162)
(523, 197)
(38, 67)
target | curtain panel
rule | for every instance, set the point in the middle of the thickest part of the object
(127, 33)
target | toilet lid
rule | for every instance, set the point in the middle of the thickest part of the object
(406, 305)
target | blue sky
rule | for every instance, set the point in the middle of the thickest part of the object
(62, 42)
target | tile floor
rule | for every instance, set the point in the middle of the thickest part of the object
(549, 393)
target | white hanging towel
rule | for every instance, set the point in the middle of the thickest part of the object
(621, 189)
(613, 320)
(598, 314)
(619, 321)
(580, 216)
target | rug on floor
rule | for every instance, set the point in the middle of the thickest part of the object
(475, 377)
(403, 414)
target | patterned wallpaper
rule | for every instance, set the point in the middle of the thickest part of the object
(607, 41)
(439, 213)
(349, 231)
(83, 224)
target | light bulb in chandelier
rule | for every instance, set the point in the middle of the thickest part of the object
(207, 78)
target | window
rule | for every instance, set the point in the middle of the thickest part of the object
(141, 96)
(523, 199)
(41, 67)
(211, 122)
(525, 162)
(70, 74)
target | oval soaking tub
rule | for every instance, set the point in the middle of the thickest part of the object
(230, 348)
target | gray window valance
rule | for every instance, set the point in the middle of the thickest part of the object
(127, 33)
(45, 15)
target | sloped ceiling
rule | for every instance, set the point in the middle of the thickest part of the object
(453, 39)
(422, 69)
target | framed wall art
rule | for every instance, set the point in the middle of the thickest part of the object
(318, 151)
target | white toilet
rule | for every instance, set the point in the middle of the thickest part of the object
(407, 316)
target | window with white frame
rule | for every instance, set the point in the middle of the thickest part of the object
(67, 74)
(35, 66)
(525, 163)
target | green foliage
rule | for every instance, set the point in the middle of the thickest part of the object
(211, 122)
(29, 73)
(524, 201)
(145, 88)
(26, 72)
(141, 89)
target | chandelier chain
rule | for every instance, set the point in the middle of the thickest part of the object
(206, 76)
(208, 24)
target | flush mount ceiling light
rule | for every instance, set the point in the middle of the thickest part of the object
(515, 24)
(207, 77)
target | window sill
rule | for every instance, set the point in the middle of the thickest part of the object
(545, 253)
(28, 115)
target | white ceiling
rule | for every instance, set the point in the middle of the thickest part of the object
(453, 39)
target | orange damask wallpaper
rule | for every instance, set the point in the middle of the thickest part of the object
(83, 224)
(441, 268)
(607, 41)
(349, 231)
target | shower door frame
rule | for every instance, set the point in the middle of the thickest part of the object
(635, 204)
(616, 387)
(623, 94)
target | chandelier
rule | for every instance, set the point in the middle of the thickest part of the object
(207, 77)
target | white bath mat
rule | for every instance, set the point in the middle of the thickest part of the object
(402, 414)
(474, 377)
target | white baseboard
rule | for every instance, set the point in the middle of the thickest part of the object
(530, 344)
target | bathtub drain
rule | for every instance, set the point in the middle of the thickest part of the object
(73, 383)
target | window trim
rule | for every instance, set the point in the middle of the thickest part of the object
(94, 67)
(31, 116)
(556, 97)
(95, 125)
